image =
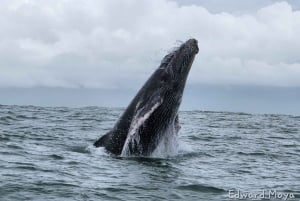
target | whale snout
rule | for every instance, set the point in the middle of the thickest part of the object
(193, 44)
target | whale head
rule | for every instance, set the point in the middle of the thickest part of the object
(175, 67)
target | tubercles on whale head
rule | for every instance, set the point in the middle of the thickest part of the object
(184, 57)
(193, 45)
(177, 64)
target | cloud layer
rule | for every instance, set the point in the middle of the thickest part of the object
(113, 44)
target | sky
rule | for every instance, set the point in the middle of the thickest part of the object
(81, 53)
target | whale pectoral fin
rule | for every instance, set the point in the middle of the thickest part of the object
(131, 145)
(102, 140)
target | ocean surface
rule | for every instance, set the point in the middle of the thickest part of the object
(46, 153)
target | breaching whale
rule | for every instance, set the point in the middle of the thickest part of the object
(154, 110)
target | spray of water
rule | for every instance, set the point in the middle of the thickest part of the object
(168, 146)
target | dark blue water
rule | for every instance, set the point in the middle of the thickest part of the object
(46, 154)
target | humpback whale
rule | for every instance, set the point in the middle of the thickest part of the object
(154, 110)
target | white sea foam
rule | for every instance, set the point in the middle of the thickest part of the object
(168, 146)
(99, 151)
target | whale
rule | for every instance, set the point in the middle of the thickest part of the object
(153, 112)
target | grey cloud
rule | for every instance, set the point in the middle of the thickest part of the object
(237, 7)
(115, 44)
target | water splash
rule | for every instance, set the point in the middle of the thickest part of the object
(98, 151)
(168, 147)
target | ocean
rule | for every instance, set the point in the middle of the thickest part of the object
(46, 153)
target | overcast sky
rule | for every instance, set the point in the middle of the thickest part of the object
(115, 45)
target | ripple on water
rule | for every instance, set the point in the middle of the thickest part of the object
(201, 188)
(47, 154)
